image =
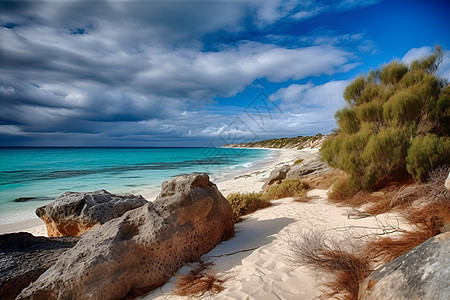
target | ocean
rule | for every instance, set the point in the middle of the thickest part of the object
(45, 173)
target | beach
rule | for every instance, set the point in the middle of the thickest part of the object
(257, 262)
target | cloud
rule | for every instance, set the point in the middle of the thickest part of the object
(416, 53)
(422, 52)
(131, 68)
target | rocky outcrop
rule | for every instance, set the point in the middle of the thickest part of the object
(75, 213)
(422, 273)
(24, 257)
(310, 166)
(277, 175)
(143, 248)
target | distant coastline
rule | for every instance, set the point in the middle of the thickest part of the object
(298, 142)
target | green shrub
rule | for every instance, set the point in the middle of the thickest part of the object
(347, 120)
(354, 90)
(384, 155)
(397, 120)
(343, 189)
(298, 161)
(405, 106)
(287, 188)
(370, 112)
(243, 204)
(425, 154)
(392, 73)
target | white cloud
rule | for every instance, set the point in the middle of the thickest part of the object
(416, 53)
(422, 52)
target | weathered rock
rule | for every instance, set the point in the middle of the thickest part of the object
(311, 165)
(24, 257)
(75, 213)
(447, 182)
(422, 273)
(277, 175)
(142, 249)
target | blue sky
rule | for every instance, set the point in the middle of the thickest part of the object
(195, 73)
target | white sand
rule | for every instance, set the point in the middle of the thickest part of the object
(258, 259)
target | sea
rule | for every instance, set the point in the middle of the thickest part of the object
(32, 177)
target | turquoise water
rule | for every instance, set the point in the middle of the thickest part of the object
(45, 173)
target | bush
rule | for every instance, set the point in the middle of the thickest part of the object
(382, 130)
(343, 189)
(287, 188)
(427, 153)
(243, 204)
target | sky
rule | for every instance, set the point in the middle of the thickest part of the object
(196, 73)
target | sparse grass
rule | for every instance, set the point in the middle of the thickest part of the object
(243, 204)
(298, 161)
(340, 261)
(425, 206)
(198, 282)
(287, 188)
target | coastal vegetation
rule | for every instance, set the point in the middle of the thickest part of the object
(396, 125)
(287, 188)
(298, 142)
(348, 260)
(246, 203)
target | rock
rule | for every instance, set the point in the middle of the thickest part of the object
(422, 273)
(277, 175)
(24, 257)
(447, 182)
(142, 249)
(311, 165)
(75, 213)
(24, 199)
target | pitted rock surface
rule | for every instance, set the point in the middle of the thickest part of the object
(75, 213)
(142, 249)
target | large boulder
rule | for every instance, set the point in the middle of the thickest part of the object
(277, 175)
(142, 249)
(24, 257)
(310, 166)
(75, 213)
(422, 273)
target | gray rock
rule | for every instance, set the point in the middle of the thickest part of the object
(311, 165)
(422, 273)
(277, 175)
(142, 249)
(447, 182)
(24, 257)
(75, 213)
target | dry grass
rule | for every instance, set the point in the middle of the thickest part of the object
(198, 282)
(340, 261)
(385, 249)
(425, 206)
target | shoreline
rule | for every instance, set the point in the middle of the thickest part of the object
(242, 180)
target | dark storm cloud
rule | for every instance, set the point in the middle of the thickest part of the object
(114, 67)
